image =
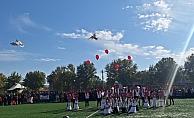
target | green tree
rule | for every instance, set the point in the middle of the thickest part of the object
(180, 76)
(123, 71)
(163, 71)
(34, 80)
(55, 79)
(85, 76)
(189, 68)
(69, 78)
(2, 82)
(62, 78)
(13, 79)
(142, 77)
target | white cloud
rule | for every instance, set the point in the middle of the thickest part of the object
(127, 7)
(61, 48)
(119, 50)
(103, 35)
(155, 16)
(136, 50)
(12, 55)
(24, 22)
(149, 47)
(47, 59)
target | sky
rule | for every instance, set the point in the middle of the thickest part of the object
(55, 33)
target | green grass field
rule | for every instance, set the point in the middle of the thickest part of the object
(183, 108)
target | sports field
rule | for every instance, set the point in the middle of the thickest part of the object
(183, 108)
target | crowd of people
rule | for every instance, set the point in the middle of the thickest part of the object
(15, 98)
(108, 101)
(125, 100)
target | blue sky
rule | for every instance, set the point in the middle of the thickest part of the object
(55, 33)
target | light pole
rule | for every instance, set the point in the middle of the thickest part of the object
(102, 79)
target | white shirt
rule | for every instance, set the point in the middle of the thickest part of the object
(87, 95)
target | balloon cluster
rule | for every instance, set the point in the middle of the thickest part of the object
(106, 51)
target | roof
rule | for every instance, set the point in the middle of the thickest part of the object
(16, 86)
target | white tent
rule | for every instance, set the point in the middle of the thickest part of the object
(16, 86)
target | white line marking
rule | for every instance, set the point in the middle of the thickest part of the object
(92, 114)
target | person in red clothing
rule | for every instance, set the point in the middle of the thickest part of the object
(87, 97)
(73, 98)
(99, 97)
(1, 100)
(161, 97)
(69, 102)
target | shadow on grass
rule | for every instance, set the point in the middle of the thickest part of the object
(91, 109)
(59, 111)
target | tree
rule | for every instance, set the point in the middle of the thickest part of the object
(163, 71)
(180, 76)
(13, 79)
(62, 78)
(2, 82)
(189, 68)
(55, 79)
(69, 78)
(85, 76)
(142, 77)
(34, 80)
(122, 71)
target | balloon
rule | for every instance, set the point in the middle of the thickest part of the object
(87, 62)
(106, 51)
(117, 66)
(97, 57)
(129, 57)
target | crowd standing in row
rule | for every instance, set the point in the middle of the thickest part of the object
(124, 100)
(52, 96)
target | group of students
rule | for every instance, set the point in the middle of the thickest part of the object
(115, 100)
(129, 101)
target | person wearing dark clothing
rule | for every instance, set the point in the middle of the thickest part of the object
(171, 97)
(87, 96)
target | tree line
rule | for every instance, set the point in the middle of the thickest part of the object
(84, 76)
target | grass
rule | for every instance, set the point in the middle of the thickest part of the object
(183, 108)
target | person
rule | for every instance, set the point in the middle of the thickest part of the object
(87, 96)
(99, 98)
(133, 108)
(69, 108)
(129, 104)
(73, 98)
(146, 103)
(76, 104)
(124, 104)
(1, 100)
(120, 103)
(148, 93)
(154, 100)
(171, 97)
(142, 94)
(161, 98)
(5, 101)
(115, 105)
(107, 108)
(31, 99)
(137, 94)
(103, 102)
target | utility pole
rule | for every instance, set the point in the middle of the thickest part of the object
(102, 79)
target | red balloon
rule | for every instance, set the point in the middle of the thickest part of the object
(106, 51)
(97, 57)
(117, 66)
(88, 62)
(129, 57)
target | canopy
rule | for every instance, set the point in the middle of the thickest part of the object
(16, 86)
